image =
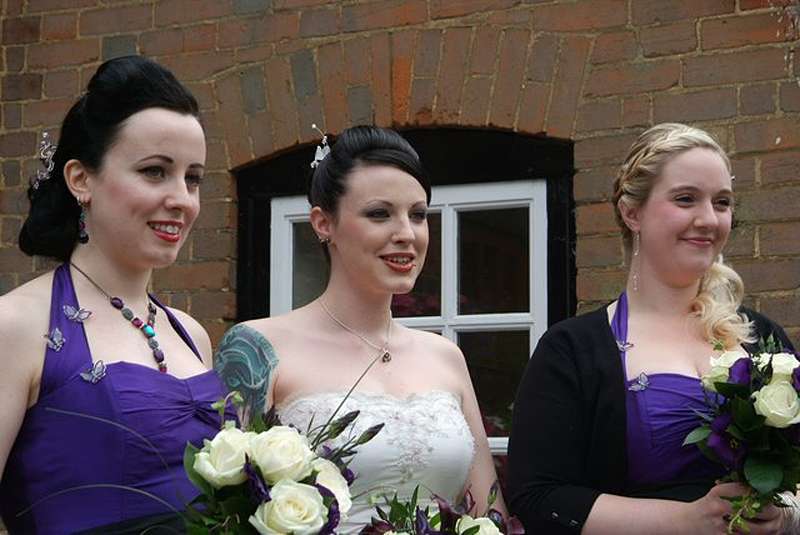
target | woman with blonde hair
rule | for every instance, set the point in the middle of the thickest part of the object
(608, 397)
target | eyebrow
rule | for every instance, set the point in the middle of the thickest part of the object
(169, 160)
(389, 203)
(687, 187)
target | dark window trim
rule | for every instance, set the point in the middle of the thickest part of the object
(450, 156)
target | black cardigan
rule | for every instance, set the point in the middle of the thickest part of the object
(568, 440)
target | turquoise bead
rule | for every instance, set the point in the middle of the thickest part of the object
(148, 331)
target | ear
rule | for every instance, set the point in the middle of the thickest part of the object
(76, 176)
(629, 215)
(322, 222)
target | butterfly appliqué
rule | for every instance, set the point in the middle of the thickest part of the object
(55, 340)
(78, 315)
(641, 383)
(95, 373)
(623, 345)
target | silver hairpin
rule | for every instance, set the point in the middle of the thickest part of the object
(323, 149)
(46, 152)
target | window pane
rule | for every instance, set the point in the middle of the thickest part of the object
(496, 360)
(493, 261)
(310, 273)
(425, 298)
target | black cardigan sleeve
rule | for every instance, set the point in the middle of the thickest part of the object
(547, 447)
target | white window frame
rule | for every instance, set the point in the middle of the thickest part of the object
(448, 201)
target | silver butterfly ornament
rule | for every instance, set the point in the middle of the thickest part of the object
(642, 382)
(78, 315)
(95, 373)
(55, 340)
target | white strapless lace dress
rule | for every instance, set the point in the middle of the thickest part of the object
(426, 441)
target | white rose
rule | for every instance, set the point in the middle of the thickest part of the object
(396, 533)
(487, 527)
(282, 453)
(221, 461)
(293, 508)
(331, 478)
(783, 364)
(778, 403)
(720, 369)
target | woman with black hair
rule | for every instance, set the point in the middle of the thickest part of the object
(102, 385)
(369, 198)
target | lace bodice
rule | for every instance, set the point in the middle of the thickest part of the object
(426, 441)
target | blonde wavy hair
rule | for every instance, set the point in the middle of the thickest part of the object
(721, 289)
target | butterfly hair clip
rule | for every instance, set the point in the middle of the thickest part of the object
(55, 340)
(78, 315)
(323, 149)
(46, 152)
(95, 373)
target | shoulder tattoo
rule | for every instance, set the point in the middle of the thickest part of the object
(245, 361)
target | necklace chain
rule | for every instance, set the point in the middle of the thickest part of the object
(384, 349)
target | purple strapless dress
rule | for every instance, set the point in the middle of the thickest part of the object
(84, 441)
(661, 410)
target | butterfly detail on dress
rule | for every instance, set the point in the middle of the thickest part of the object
(78, 315)
(623, 345)
(55, 340)
(95, 373)
(641, 383)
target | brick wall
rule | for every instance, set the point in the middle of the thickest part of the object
(595, 71)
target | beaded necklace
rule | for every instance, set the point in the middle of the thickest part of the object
(146, 328)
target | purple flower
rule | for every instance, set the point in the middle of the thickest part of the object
(348, 475)
(741, 371)
(727, 449)
(258, 490)
(721, 423)
(796, 378)
(333, 512)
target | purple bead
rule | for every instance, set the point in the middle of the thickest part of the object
(158, 355)
(117, 303)
(137, 322)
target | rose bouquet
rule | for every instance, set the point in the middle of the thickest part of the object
(409, 518)
(271, 479)
(753, 426)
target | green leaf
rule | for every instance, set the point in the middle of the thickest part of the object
(762, 474)
(698, 434)
(471, 531)
(732, 391)
(744, 415)
(188, 465)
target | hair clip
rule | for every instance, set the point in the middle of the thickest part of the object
(46, 152)
(323, 149)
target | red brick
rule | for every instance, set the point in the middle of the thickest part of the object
(596, 218)
(12, 260)
(695, 106)
(423, 90)
(195, 276)
(767, 135)
(213, 305)
(533, 105)
(509, 77)
(53, 55)
(764, 64)
(771, 275)
(291, 4)
(666, 39)
(441, 9)
(47, 112)
(636, 111)
(633, 78)
(741, 30)
(22, 86)
(381, 78)
(580, 16)
(13, 8)
(654, 11)
(780, 167)
(599, 251)
(790, 96)
(757, 99)
(357, 65)
(402, 52)
(216, 215)
(13, 201)
(510, 17)
(477, 92)
(253, 54)
(594, 184)
(115, 20)
(251, 31)
(59, 26)
(484, 50)
(599, 115)
(282, 105)
(36, 6)
(600, 285)
(170, 12)
(451, 76)
(333, 86)
(605, 150)
(744, 169)
(204, 93)
(768, 205)
(542, 60)
(12, 115)
(426, 59)
(198, 66)
(200, 37)
(231, 107)
(11, 227)
(614, 46)
(15, 144)
(217, 186)
(741, 242)
(783, 310)
(21, 30)
(213, 244)
(317, 22)
(383, 14)
(780, 238)
(566, 86)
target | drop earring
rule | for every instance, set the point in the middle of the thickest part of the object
(635, 263)
(83, 236)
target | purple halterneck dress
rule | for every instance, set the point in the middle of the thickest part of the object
(661, 410)
(87, 437)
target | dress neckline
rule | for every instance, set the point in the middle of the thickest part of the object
(369, 395)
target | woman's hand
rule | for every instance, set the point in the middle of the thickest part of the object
(711, 513)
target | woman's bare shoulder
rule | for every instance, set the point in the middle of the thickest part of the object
(26, 309)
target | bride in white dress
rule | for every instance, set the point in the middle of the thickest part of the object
(369, 199)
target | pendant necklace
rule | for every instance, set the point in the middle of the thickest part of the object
(386, 356)
(147, 328)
